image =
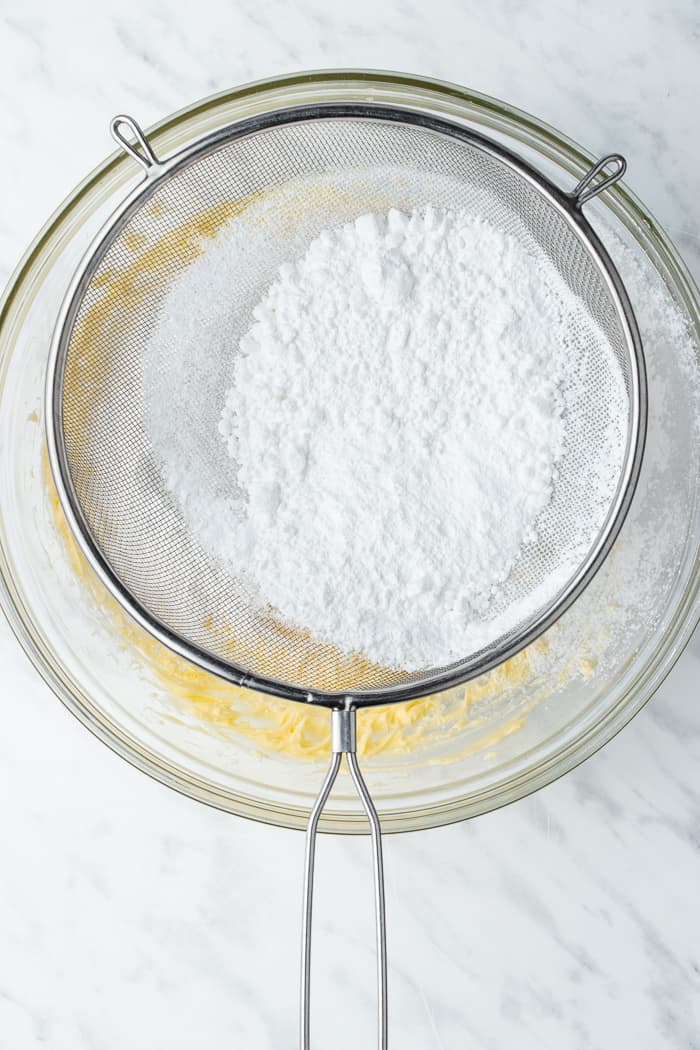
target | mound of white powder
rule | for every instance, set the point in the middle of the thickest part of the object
(395, 420)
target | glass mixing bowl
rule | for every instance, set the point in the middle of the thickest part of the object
(482, 746)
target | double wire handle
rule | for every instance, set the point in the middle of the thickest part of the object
(343, 742)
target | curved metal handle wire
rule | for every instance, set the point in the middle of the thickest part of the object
(588, 188)
(344, 742)
(145, 154)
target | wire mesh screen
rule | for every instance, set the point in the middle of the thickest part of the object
(279, 187)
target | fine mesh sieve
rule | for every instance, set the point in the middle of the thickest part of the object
(289, 175)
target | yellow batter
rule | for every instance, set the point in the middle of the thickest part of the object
(273, 724)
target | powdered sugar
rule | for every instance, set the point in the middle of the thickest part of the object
(613, 620)
(396, 419)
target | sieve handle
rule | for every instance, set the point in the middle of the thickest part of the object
(588, 188)
(343, 742)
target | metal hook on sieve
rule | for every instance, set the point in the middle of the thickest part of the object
(145, 156)
(344, 742)
(588, 188)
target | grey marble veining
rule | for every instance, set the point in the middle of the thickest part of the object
(132, 917)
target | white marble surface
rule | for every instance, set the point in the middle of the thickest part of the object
(131, 917)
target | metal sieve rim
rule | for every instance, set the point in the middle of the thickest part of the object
(569, 205)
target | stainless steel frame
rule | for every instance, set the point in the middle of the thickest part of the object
(343, 707)
(156, 171)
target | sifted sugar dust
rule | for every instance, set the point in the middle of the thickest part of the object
(396, 415)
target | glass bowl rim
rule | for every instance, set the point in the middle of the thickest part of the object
(570, 156)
